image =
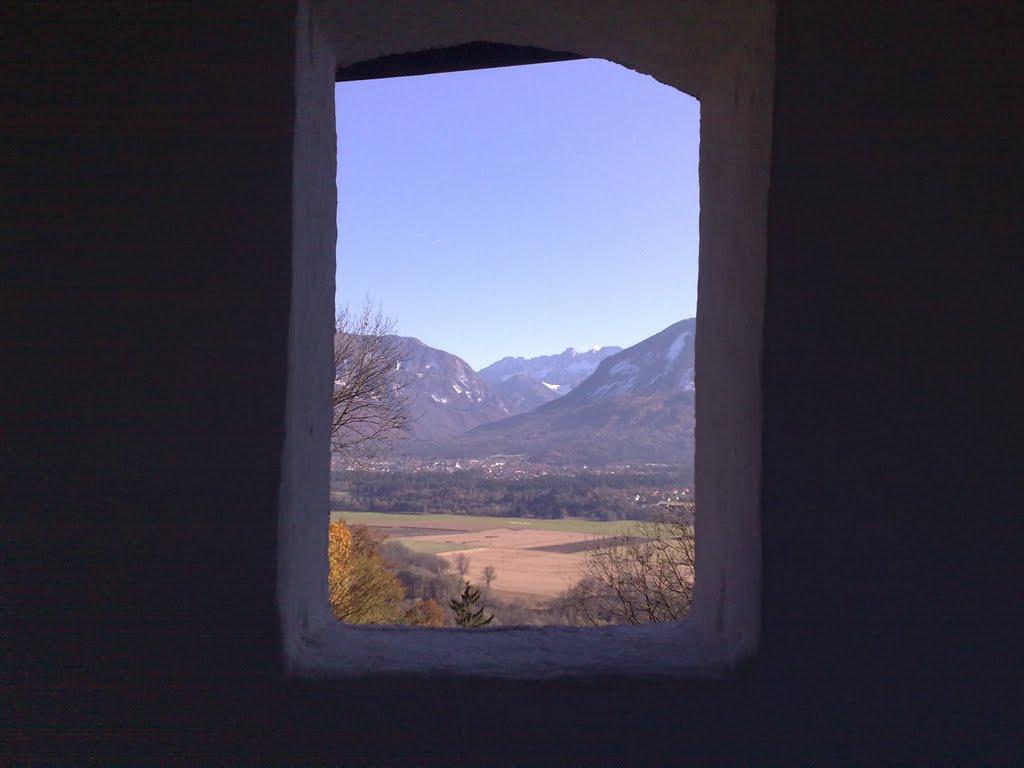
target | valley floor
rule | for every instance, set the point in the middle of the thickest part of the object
(533, 558)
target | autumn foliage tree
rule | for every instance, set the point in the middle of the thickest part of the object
(362, 587)
(425, 613)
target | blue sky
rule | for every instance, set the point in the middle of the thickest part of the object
(522, 210)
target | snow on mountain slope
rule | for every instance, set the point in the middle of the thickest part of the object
(560, 373)
(662, 363)
(448, 396)
(522, 393)
(636, 406)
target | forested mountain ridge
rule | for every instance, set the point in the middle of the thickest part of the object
(637, 406)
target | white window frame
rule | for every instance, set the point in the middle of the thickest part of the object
(722, 55)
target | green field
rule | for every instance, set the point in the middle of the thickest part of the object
(480, 523)
(416, 544)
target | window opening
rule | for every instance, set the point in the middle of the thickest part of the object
(517, 271)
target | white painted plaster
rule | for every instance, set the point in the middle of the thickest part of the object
(511, 652)
(734, 170)
(684, 44)
(305, 486)
(721, 52)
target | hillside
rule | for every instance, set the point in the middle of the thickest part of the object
(448, 396)
(559, 373)
(637, 406)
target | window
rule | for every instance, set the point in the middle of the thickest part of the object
(734, 88)
(520, 211)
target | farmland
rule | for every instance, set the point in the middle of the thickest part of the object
(533, 557)
(480, 522)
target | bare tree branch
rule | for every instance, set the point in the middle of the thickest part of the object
(490, 573)
(371, 400)
(646, 578)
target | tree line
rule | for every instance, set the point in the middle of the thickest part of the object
(596, 497)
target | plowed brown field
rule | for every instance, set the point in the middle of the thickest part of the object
(521, 566)
(533, 558)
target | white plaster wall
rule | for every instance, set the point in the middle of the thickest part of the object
(735, 153)
(721, 52)
(682, 43)
(305, 487)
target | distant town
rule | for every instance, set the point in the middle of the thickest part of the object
(508, 466)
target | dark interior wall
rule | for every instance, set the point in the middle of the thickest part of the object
(146, 224)
(893, 369)
(146, 230)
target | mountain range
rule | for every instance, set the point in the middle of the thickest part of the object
(608, 405)
(526, 383)
(447, 397)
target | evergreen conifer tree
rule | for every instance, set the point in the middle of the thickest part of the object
(465, 616)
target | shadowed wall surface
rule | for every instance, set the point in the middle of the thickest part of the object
(148, 200)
